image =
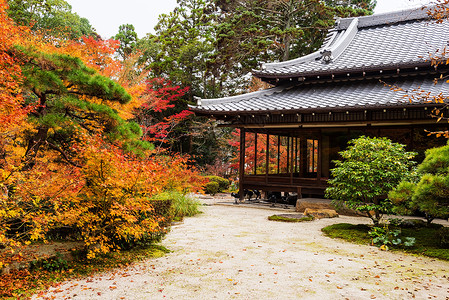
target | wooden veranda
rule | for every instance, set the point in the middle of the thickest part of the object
(281, 162)
(299, 160)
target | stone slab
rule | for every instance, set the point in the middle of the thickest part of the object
(321, 213)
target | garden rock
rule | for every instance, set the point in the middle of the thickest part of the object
(321, 213)
(303, 204)
(412, 223)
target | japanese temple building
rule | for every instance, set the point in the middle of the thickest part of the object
(342, 91)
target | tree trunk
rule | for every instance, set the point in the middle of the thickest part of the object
(287, 38)
(34, 144)
(36, 141)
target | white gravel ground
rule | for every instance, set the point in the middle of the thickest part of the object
(236, 253)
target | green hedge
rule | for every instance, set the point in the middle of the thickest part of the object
(212, 188)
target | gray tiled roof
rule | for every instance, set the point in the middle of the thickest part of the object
(313, 97)
(393, 40)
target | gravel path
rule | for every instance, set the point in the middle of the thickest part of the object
(236, 253)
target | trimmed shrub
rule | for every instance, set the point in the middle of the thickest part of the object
(223, 183)
(212, 188)
(401, 197)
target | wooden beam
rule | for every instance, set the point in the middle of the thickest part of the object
(298, 155)
(333, 124)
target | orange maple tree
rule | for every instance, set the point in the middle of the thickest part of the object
(70, 154)
(10, 74)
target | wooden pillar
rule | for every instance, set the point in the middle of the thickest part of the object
(255, 153)
(267, 158)
(295, 153)
(297, 166)
(288, 153)
(279, 152)
(292, 156)
(299, 192)
(303, 156)
(319, 166)
(242, 161)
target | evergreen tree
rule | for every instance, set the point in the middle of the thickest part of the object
(69, 99)
(255, 31)
(429, 192)
(182, 47)
(127, 37)
(53, 16)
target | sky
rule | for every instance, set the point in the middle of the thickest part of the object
(107, 15)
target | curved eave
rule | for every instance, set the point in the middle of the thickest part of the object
(352, 71)
(217, 113)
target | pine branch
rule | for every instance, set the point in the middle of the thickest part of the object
(54, 147)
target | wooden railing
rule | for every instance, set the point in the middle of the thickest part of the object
(285, 183)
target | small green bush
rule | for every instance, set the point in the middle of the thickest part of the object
(212, 188)
(401, 197)
(369, 169)
(56, 263)
(223, 183)
(385, 236)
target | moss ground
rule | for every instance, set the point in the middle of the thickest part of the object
(290, 219)
(21, 284)
(427, 239)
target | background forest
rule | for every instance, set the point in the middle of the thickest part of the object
(211, 48)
